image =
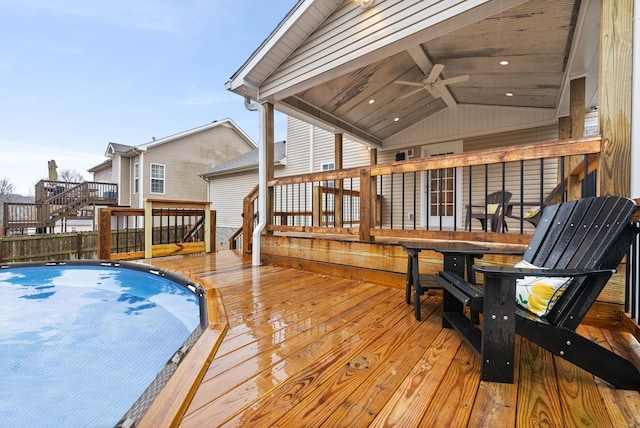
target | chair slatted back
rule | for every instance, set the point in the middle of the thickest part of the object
(585, 233)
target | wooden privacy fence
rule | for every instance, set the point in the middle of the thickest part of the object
(162, 228)
(49, 247)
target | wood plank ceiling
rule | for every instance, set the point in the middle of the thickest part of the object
(534, 37)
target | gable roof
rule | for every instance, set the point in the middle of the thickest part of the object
(216, 123)
(327, 59)
(131, 151)
(247, 161)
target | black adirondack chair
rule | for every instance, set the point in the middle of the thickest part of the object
(493, 212)
(584, 239)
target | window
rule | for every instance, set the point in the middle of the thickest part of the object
(136, 178)
(157, 178)
(327, 166)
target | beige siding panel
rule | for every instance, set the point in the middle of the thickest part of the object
(298, 148)
(350, 33)
(469, 121)
(299, 151)
(397, 209)
(186, 157)
(227, 193)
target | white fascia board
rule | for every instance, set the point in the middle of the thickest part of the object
(240, 82)
(378, 49)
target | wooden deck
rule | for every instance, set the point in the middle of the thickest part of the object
(304, 349)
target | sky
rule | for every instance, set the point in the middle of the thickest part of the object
(78, 74)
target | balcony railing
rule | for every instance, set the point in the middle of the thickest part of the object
(427, 197)
(160, 229)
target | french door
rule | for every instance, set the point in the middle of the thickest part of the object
(441, 202)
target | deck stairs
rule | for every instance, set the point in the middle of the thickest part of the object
(57, 200)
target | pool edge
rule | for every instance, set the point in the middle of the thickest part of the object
(172, 402)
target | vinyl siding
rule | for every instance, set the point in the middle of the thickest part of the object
(185, 158)
(350, 34)
(531, 173)
(228, 204)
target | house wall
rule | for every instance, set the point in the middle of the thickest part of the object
(303, 158)
(229, 204)
(125, 183)
(531, 176)
(404, 211)
(102, 174)
(189, 156)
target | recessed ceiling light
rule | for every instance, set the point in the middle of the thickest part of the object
(366, 4)
(509, 94)
(372, 101)
(396, 119)
(504, 62)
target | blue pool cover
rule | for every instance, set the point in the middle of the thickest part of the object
(80, 344)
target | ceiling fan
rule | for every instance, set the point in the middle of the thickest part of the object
(434, 85)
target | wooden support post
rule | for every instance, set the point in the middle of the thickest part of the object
(269, 147)
(576, 116)
(564, 133)
(375, 207)
(339, 184)
(373, 156)
(614, 105)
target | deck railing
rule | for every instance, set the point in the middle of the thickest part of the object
(427, 197)
(632, 291)
(55, 200)
(162, 228)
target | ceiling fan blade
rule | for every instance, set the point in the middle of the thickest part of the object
(408, 94)
(446, 97)
(435, 72)
(404, 82)
(457, 79)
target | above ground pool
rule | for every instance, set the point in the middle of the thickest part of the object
(90, 344)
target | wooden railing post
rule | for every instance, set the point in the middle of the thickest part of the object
(247, 220)
(316, 206)
(104, 234)
(211, 246)
(365, 204)
(148, 229)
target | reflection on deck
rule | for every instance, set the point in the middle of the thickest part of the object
(304, 349)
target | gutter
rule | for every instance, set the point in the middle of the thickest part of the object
(262, 180)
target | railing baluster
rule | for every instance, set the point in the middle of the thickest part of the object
(415, 199)
(403, 193)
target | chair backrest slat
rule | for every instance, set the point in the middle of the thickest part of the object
(585, 233)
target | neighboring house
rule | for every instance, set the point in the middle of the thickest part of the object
(167, 168)
(230, 182)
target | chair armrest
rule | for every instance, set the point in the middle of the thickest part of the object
(522, 272)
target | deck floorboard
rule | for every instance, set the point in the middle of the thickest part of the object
(305, 349)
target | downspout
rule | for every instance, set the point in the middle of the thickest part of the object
(635, 103)
(262, 180)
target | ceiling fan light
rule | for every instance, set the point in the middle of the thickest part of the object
(366, 4)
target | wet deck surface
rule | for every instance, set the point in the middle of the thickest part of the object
(310, 350)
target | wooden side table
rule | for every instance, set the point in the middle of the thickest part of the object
(457, 257)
